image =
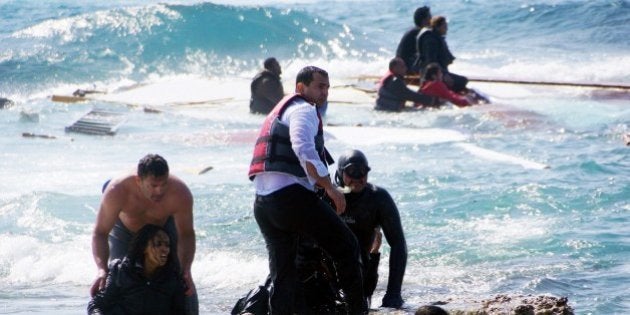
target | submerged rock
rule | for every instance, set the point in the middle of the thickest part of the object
(503, 304)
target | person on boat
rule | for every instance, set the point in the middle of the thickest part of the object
(289, 164)
(266, 88)
(432, 47)
(407, 46)
(393, 92)
(432, 84)
(145, 281)
(150, 196)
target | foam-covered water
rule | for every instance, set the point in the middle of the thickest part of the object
(475, 226)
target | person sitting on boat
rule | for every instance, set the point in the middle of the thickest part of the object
(407, 46)
(432, 47)
(433, 85)
(266, 88)
(393, 91)
(145, 281)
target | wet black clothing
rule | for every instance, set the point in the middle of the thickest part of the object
(393, 93)
(317, 290)
(119, 240)
(367, 210)
(128, 292)
(407, 48)
(294, 211)
(431, 48)
(267, 91)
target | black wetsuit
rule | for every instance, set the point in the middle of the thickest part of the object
(128, 291)
(267, 91)
(365, 211)
(407, 48)
(394, 92)
(431, 48)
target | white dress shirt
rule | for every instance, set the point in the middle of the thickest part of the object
(303, 123)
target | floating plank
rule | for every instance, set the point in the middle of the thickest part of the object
(554, 83)
(68, 99)
(34, 135)
(98, 122)
(414, 79)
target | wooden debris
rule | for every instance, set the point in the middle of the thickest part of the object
(98, 122)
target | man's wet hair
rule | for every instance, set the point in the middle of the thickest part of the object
(152, 165)
(420, 15)
(269, 62)
(307, 73)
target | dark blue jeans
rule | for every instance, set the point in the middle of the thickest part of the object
(292, 211)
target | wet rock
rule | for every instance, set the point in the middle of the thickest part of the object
(504, 304)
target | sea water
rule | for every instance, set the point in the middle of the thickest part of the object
(475, 226)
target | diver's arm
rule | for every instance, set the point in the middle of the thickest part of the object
(393, 231)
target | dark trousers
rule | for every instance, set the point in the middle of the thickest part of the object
(292, 211)
(459, 82)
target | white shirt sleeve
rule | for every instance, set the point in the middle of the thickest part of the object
(303, 126)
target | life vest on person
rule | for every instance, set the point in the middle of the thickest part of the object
(421, 61)
(273, 151)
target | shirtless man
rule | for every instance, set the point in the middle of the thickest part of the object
(149, 196)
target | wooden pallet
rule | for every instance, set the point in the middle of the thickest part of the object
(98, 122)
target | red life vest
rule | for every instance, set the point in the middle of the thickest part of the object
(273, 151)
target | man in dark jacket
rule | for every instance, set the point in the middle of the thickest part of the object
(407, 46)
(393, 91)
(266, 88)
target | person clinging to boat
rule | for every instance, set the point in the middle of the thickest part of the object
(432, 84)
(393, 92)
(150, 196)
(266, 88)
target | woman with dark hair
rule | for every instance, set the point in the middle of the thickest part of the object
(432, 84)
(145, 281)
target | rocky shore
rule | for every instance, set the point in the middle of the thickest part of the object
(504, 304)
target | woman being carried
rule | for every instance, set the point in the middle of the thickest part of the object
(145, 281)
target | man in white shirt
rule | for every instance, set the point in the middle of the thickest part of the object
(289, 164)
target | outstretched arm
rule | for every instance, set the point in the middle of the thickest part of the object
(392, 228)
(105, 220)
(186, 240)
